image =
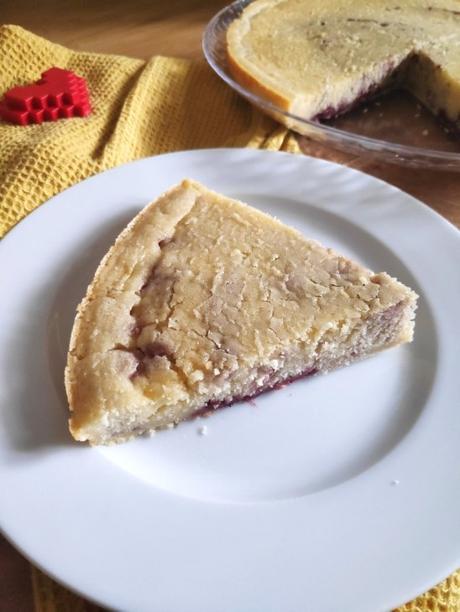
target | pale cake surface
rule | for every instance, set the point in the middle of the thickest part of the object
(314, 58)
(203, 300)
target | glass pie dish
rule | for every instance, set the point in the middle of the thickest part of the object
(392, 128)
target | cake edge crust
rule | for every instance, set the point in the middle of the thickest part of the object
(268, 90)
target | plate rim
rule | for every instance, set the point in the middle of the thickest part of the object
(10, 236)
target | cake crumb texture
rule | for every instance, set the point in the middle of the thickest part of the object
(204, 300)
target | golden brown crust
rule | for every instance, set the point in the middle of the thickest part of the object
(247, 80)
(237, 64)
(103, 318)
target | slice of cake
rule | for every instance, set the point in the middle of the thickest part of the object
(318, 58)
(204, 301)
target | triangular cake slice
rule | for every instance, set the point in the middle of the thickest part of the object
(204, 301)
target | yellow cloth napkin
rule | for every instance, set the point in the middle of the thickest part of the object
(140, 109)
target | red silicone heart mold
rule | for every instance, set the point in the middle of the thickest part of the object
(59, 94)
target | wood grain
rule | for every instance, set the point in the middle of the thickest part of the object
(15, 580)
(137, 28)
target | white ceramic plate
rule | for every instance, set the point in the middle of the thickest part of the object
(340, 492)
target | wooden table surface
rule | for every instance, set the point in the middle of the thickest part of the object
(141, 28)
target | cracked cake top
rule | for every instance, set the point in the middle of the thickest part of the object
(198, 287)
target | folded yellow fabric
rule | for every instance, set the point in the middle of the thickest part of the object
(140, 109)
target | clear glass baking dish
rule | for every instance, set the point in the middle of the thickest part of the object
(392, 128)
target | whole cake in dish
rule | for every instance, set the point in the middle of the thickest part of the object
(204, 301)
(318, 58)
